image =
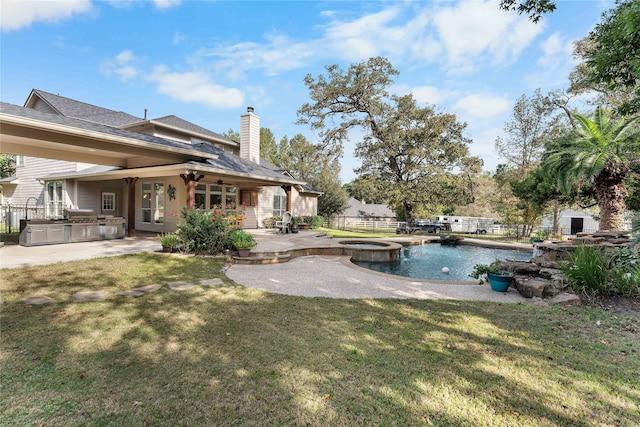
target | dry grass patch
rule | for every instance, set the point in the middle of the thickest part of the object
(228, 355)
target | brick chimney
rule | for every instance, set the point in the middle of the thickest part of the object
(250, 136)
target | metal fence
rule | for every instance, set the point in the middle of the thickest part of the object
(10, 216)
(502, 232)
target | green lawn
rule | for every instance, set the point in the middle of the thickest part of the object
(228, 355)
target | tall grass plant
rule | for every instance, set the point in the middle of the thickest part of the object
(587, 271)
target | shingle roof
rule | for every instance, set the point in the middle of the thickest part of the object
(176, 121)
(365, 210)
(16, 110)
(81, 110)
(233, 163)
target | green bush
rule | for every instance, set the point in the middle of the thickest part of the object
(271, 221)
(203, 231)
(540, 235)
(626, 280)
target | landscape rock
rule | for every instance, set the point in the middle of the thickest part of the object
(37, 300)
(211, 282)
(565, 299)
(148, 288)
(130, 293)
(180, 286)
(89, 296)
(530, 287)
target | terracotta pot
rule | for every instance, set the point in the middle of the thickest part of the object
(244, 252)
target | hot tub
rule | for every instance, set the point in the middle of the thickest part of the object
(372, 251)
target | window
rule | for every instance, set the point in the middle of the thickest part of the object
(54, 199)
(108, 202)
(249, 198)
(230, 196)
(153, 202)
(201, 198)
(215, 196)
(279, 202)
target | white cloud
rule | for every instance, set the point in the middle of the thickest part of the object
(166, 4)
(484, 146)
(196, 87)
(556, 51)
(432, 95)
(124, 65)
(556, 62)
(178, 38)
(482, 106)
(279, 53)
(476, 33)
(159, 4)
(20, 14)
(387, 33)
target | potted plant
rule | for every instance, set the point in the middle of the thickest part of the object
(294, 224)
(243, 242)
(498, 279)
(539, 236)
(169, 242)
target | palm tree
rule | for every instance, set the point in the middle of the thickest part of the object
(602, 152)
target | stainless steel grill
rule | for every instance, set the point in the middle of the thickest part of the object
(81, 216)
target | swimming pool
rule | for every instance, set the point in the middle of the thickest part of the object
(426, 261)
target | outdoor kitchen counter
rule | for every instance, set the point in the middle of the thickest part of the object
(50, 232)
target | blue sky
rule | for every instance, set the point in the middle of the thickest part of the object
(206, 61)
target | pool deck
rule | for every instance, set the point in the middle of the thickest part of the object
(309, 276)
(336, 277)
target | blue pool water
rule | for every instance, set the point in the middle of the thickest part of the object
(426, 261)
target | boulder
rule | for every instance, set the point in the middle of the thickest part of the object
(565, 299)
(530, 287)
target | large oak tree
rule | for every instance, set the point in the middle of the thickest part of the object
(413, 150)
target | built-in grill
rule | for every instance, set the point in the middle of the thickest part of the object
(79, 225)
(80, 216)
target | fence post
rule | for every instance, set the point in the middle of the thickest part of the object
(9, 219)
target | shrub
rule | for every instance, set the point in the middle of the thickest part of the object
(203, 231)
(540, 235)
(626, 280)
(271, 221)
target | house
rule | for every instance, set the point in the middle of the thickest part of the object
(73, 155)
(578, 221)
(358, 211)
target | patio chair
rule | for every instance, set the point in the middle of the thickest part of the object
(284, 226)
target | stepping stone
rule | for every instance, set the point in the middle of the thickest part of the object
(37, 300)
(89, 296)
(180, 286)
(149, 288)
(211, 282)
(130, 293)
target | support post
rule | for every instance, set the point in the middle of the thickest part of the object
(190, 181)
(287, 189)
(131, 205)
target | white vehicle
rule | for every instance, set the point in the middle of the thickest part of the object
(467, 224)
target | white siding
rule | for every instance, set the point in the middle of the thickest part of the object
(27, 175)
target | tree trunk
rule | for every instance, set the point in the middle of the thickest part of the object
(555, 233)
(610, 193)
(408, 211)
